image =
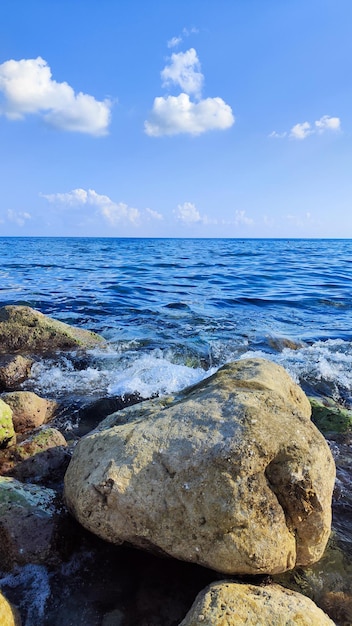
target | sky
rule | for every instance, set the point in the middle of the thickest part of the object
(157, 118)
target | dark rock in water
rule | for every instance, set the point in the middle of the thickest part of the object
(30, 518)
(280, 343)
(25, 330)
(91, 415)
(14, 370)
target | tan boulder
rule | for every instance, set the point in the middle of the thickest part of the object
(231, 474)
(30, 458)
(14, 370)
(29, 411)
(232, 604)
(9, 616)
(25, 330)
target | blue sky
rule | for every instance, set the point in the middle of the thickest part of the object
(192, 118)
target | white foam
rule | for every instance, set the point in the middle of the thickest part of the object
(34, 580)
(114, 374)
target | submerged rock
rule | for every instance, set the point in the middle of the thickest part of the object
(7, 431)
(9, 615)
(14, 370)
(231, 474)
(29, 523)
(22, 329)
(29, 411)
(329, 417)
(234, 604)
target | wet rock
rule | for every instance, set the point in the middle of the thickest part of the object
(230, 474)
(235, 604)
(29, 521)
(22, 329)
(14, 370)
(7, 432)
(29, 411)
(92, 414)
(280, 343)
(329, 417)
(9, 615)
(40, 456)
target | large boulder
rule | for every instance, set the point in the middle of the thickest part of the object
(14, 370)
(232, 474)
(234, 604)
(25, 330)
(29, 411)
(7, 431)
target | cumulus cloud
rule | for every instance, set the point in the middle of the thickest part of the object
(304, 129)
(28, 88)
(112, 212)
(178, 114)
(328, 123)
(188, 213)
(172, 115)
(18, 217)
(184, 71)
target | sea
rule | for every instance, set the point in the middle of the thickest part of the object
(175, 310)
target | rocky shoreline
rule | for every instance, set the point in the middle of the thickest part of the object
(231, 475)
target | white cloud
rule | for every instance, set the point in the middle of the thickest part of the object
(188, 213)
(241, 218)
(112, 212)
(155, 215)
(328, 123)
(173, 42)
(18, 217)
(301, 131)
(172, 115)
(178, 114)
(28, 88)
(304, 129)
(184, 71)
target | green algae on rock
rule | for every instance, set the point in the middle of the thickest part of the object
(23, 329)
(7, 431)
(329, 417)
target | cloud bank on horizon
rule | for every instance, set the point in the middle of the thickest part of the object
(28, 89)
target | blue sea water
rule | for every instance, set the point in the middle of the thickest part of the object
(173, 310)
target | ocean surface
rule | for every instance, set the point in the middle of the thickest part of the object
(173, 311)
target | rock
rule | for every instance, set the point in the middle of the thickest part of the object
(14, 370)
(29, 411)
(230, 474)
(329, 417)
(232, 604)
(36, 458)
(9, 615)
(29, 522)
(281, 343)
(7, 432)
(25, 330)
